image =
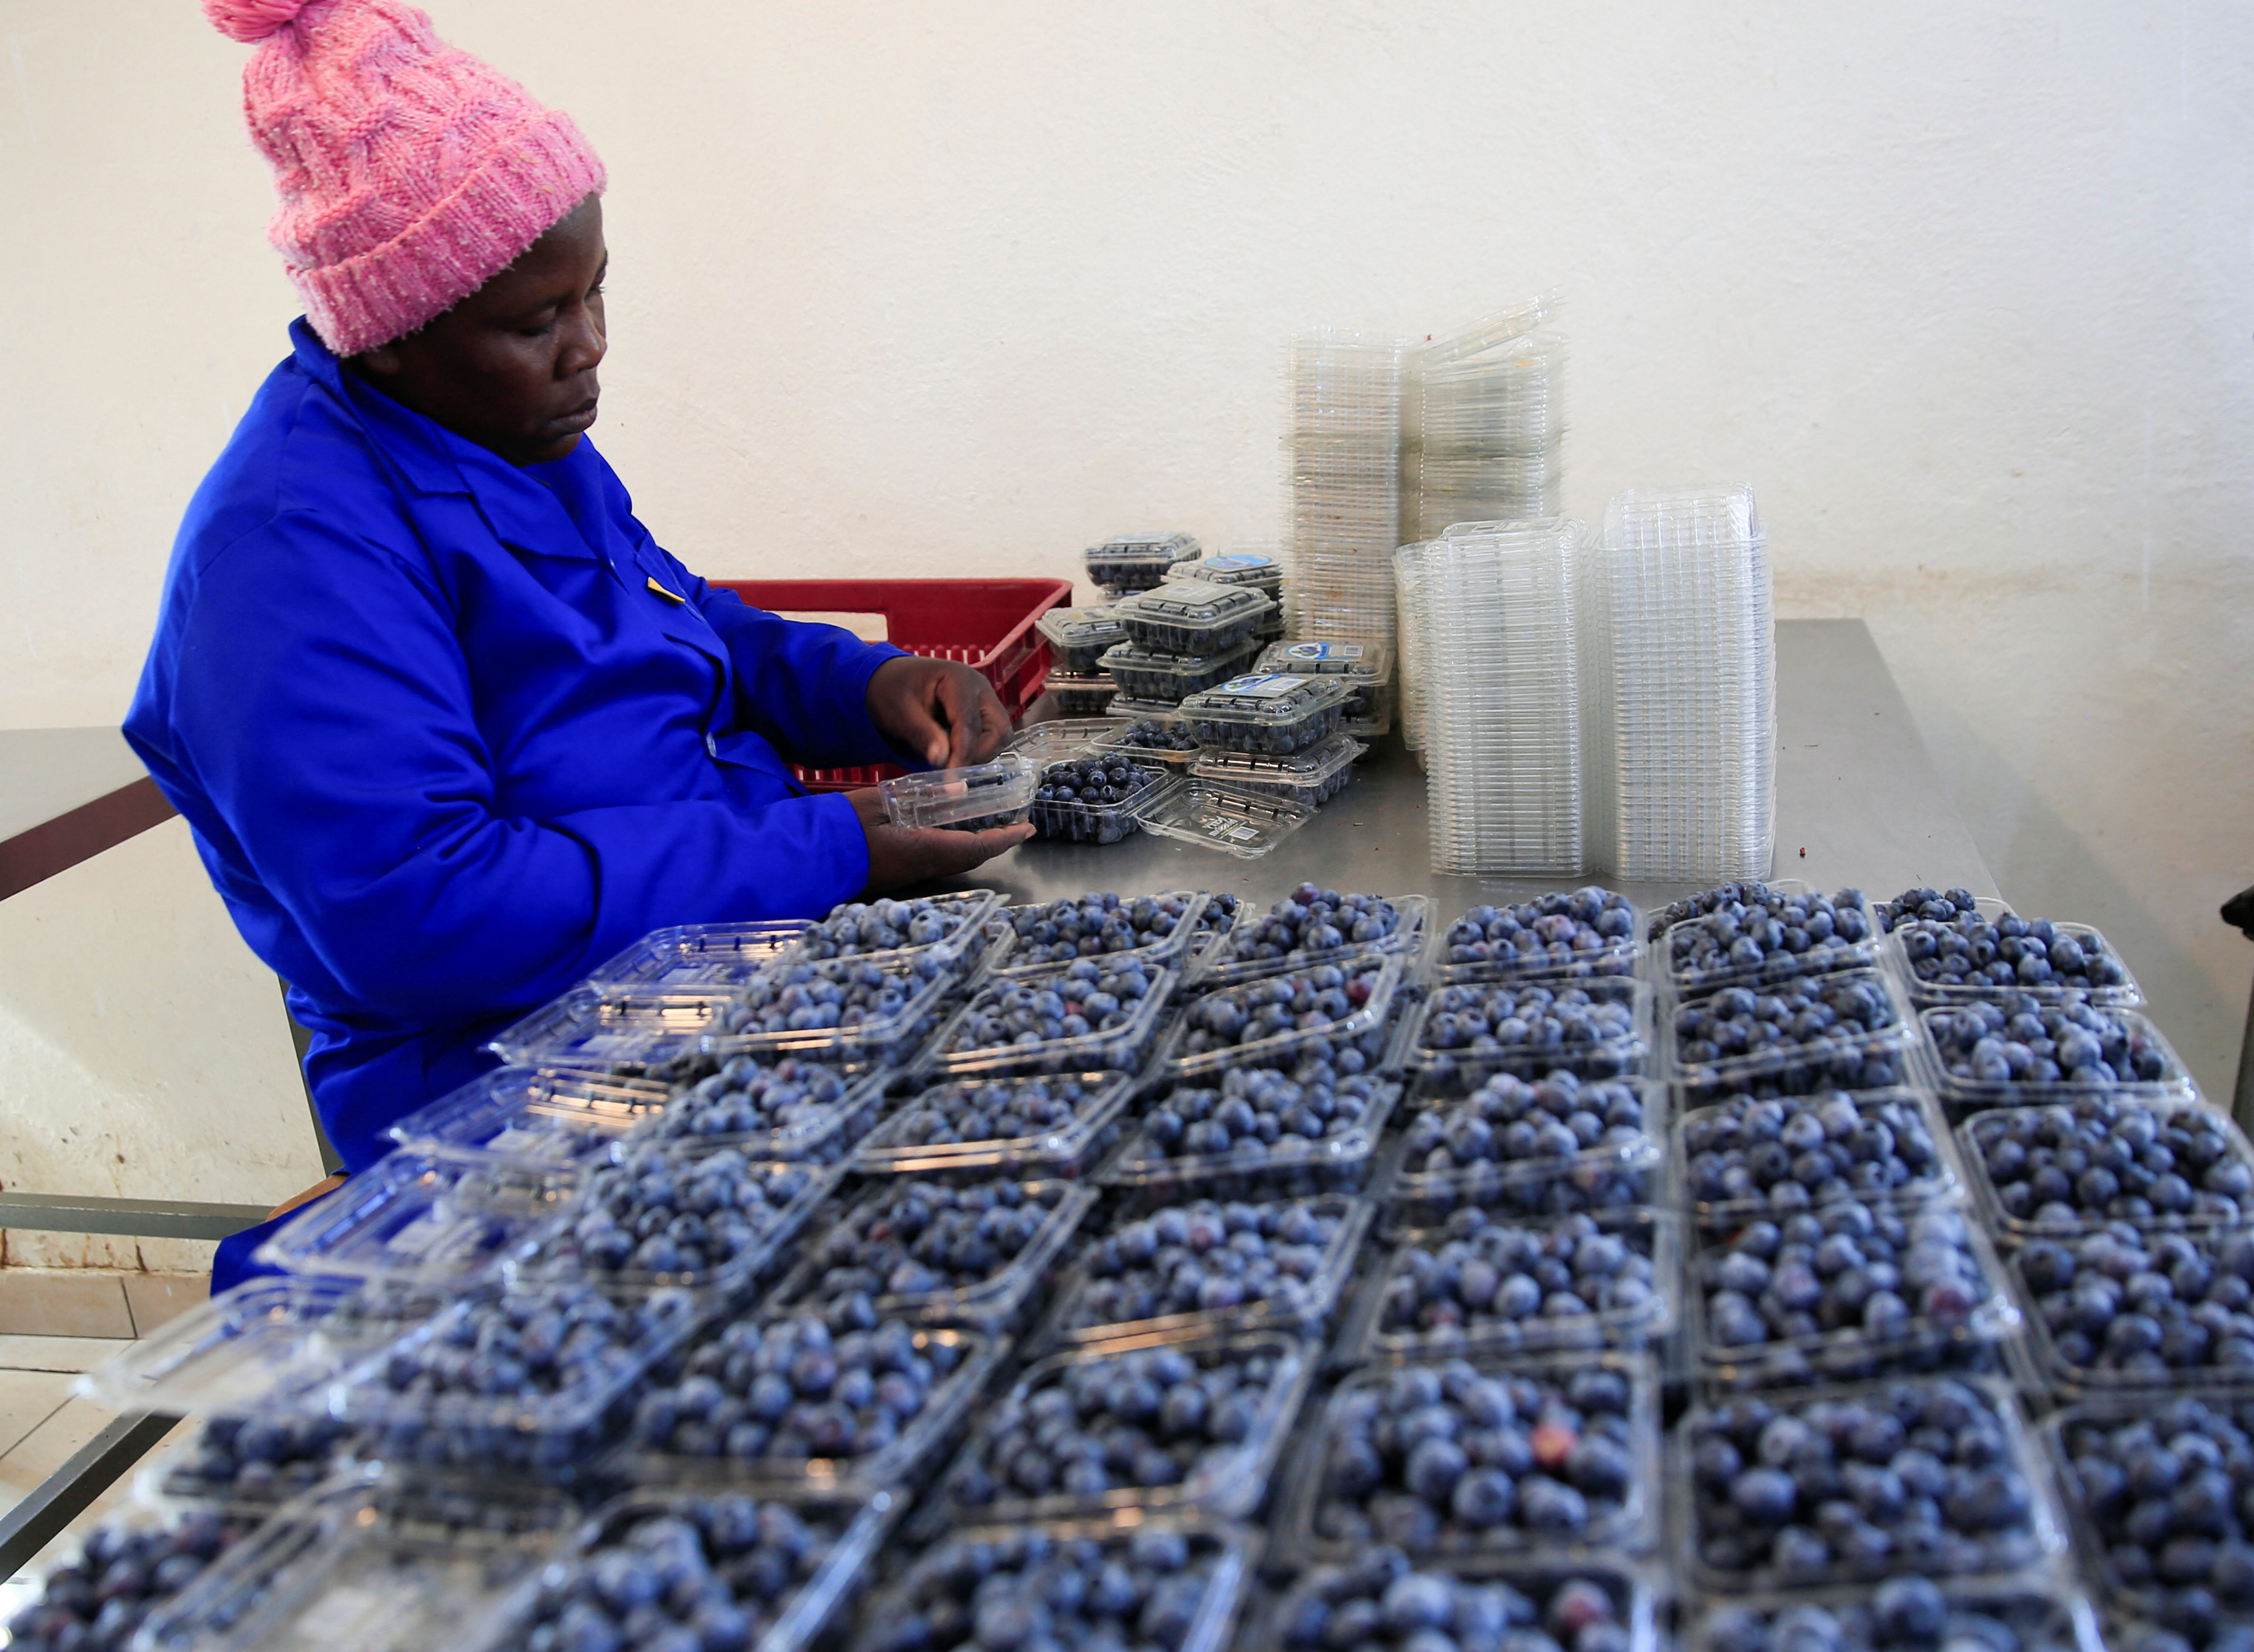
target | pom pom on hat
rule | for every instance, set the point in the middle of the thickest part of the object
(251, 21)
(410, 172)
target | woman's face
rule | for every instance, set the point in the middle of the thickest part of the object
(512, 366)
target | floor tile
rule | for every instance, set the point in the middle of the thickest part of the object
(57, 1353)
(48, 1446)
(154, 1298)
(27, 1399)
(62, 1302)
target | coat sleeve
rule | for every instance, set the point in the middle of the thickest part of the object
(805, 688)
(324, 702)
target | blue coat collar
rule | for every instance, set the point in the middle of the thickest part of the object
(522, 509)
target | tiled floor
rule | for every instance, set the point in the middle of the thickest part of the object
(42, 1423)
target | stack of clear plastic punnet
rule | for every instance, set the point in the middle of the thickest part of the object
(1345, 438)
(1498, 625)
(1681, 638)
(1483, 424)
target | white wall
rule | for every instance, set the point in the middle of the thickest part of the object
(1965, 291)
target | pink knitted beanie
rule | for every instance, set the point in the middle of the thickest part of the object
(411, 173)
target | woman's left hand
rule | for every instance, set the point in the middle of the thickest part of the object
(940, 708)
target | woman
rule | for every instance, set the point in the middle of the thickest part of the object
(448, 726)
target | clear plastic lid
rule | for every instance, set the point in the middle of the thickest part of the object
(1272, 713)
(1187, 616)
(669, 1445)
(1745, 1160)
(693, 960)
(965, 800)
(1166, 740)
(371, 1568)
(1103, 1017)
(1055, 1124)
(1233, 568)
(1079, 636)
(1148, 678)
(1045, 743)
(1211, 1450)
(532, 1115)
(1951, 1300)
(1127, 1286)
(891, 1248)
(431, 1219)
(1367, 662)
(262, 1349)
(585, 1031)
(1218, 815)
(1462, 1290)
(1594, 1482)
(779, 1568)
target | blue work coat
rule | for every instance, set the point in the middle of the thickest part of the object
(450, 733)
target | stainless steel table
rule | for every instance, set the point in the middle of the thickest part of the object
(1858, 801)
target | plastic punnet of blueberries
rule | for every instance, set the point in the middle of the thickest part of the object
(1084, 799)
(1745, 895)
(674, 1217)
(1260, 1111)
(748, 1099)
(1329, 1009)
(1022, 1589)
(97, 1602)
(1767, 939)
(861, 928)
(1002, 1110)
(843, 996)
(1550, 1019)
(2070, 1165)
(1483, 1282)
(1510, 1121)
(1452, 1458)
(1851, 1273)
(1589, 932)
(1086, 1014)
(2164, 1491)
(1974, 953)
(258, 1460)
(1228, 1262)
(1907, 1614)
(714, 1571)
(909, 1238)
(1275, 714)
(1147, 1427)
(1739, 1022)
(775, 1393)
(1922, 1475)
(2017, 1039)
(1792, 1153)
(1059, 931)
(1314, 919)
(1381, 1601)
(1151, 735)
(2124, 1308)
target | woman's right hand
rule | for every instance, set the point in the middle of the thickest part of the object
(900, 855)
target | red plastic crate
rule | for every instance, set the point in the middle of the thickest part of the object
(985, 623)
